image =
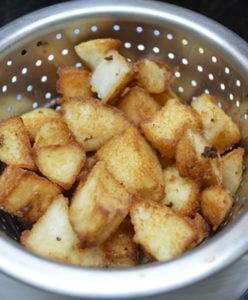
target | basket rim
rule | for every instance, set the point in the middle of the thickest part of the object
(140, 281)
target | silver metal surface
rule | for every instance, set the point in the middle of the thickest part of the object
(206, 58)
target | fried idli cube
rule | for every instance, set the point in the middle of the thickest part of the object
(111, 76)
(91, 122)
(60, 163)
(54, 132)
(74, 82)
(216, 204)
(120, 249)
(232, 169)
(138, 105)
(196, 158)
(166, 127)
(160, 231)
(93, 51)
(154, 76)
(219, 129)
(98, 206)
(25, 194)
(34, 119)
(134, 163)
(15, 147)
(181, 193)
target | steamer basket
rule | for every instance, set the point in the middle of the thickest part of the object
(206, 58)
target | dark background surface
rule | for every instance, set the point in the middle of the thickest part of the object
(231, 13)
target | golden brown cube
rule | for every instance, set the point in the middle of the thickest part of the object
(163, 97)
(181, 193)
(92, 122)
(15, 147)
(25, 194)
(93, 257)
(74, 82)
(54, 132)
(34, 119)
(200, 226)
(93, 51)
(111, 76)
(138, 105)
(167, 126)
(98, 206)
(53, 237)
(195, 158)
(60, 163)
(232, 169)
(219, 129)
(134, 164)
(216, 204)
(119, 249)
(154, 76)
(161, 232)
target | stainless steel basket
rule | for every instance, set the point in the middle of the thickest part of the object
(206, 57)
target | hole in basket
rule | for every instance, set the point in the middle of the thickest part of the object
(76, 31)
(185, 42)
(211, 76)
(214, 59)
(201, 50)
(238, 83)
(139, 29)
(29, 88)
(219, 104)
(169, 36)
(200, 68)
(58, 36)
(39, 44)
(206, 91)
(185, 61)
(24, 70)
(18, 97)
(38, 63)
(17, 227)
(14, 79)
(3, 227)
(177, 74)
(4, 88)
(116, 27)
(43, 78)
(141, 47)
(156, 50)
(78, 65)
(171, 55)
(64, 51)
(3, 220)
(94, 28)
(50, 57)
(222, 86)
(127, 45)
(9, 108)
(9, 63)
(180, 89)
(48, 95)
(227, 70)
(193, 83)
(156, 32)
(245, 116)
(35, 104)
(24, 52)
(231, 97)
(237, 103)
